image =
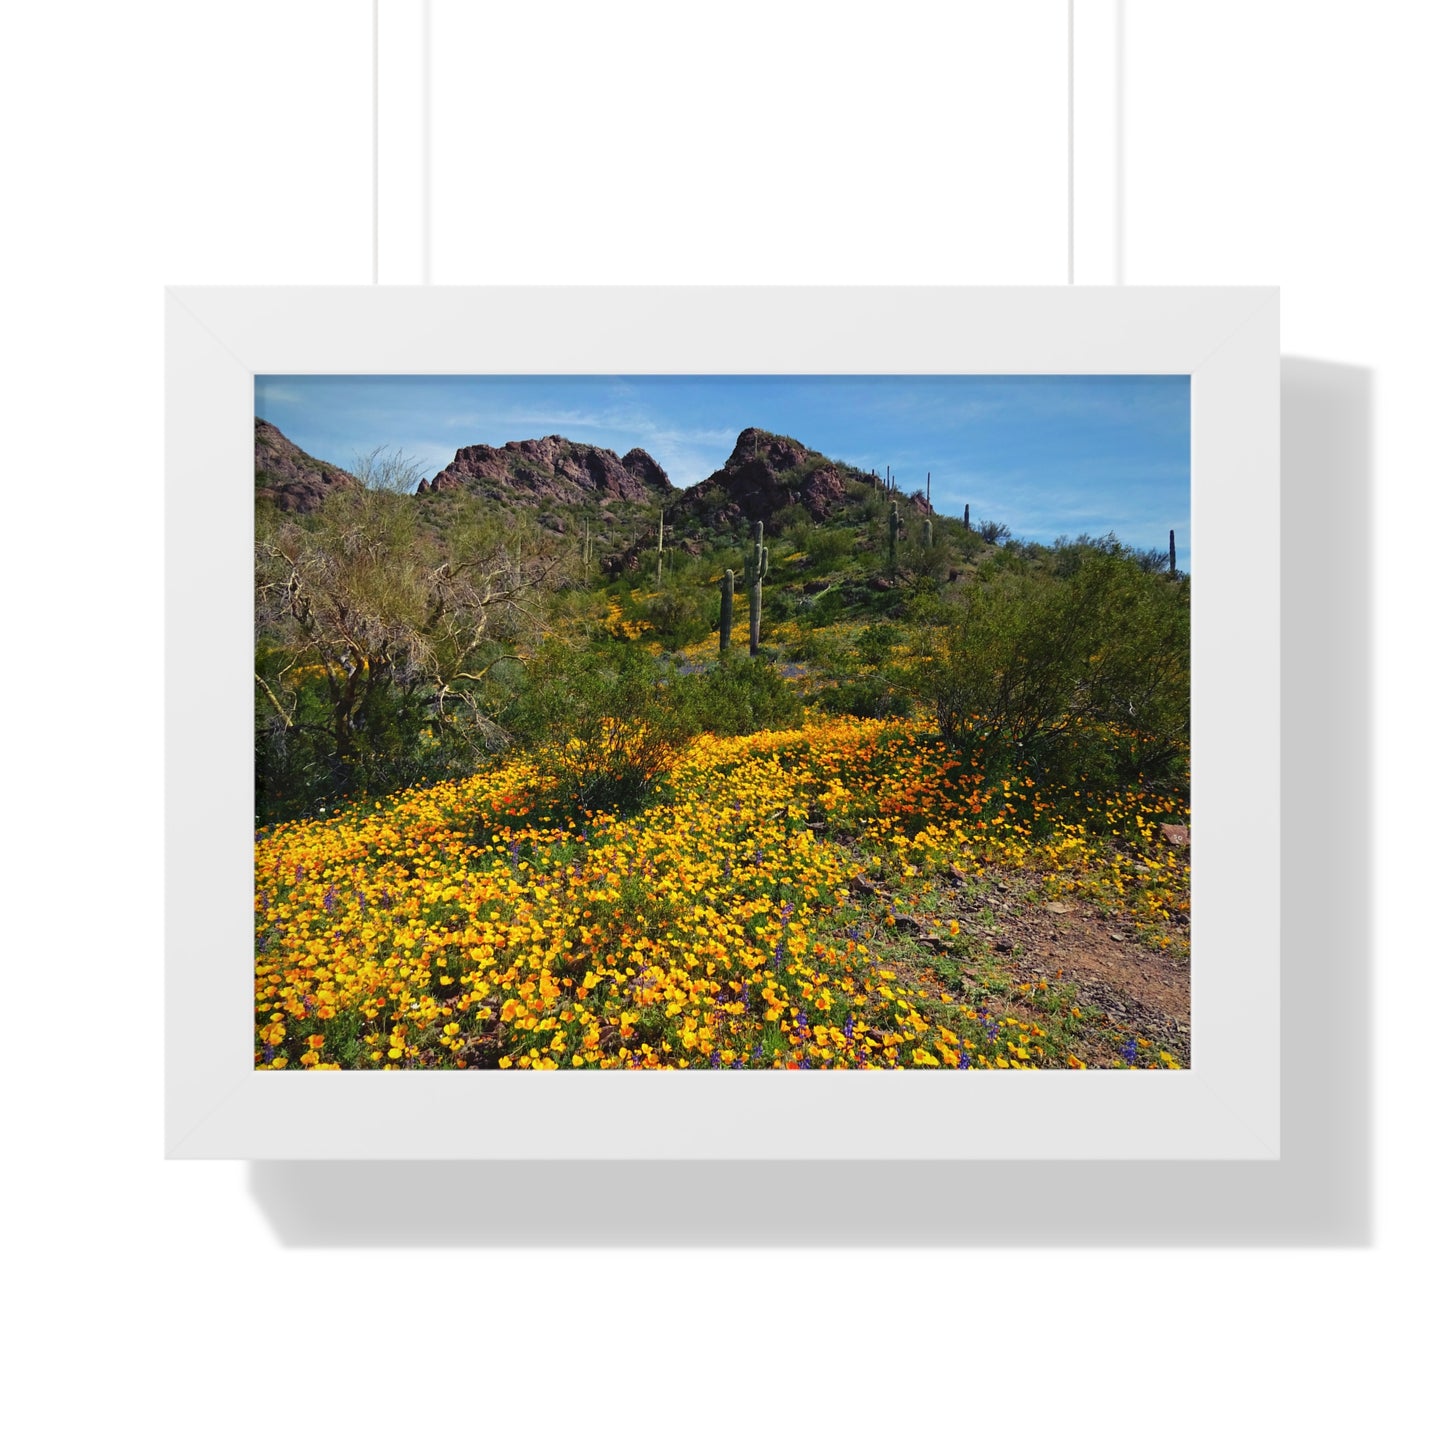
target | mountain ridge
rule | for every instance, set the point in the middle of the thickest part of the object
(768, 477)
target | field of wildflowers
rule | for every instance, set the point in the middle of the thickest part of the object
(791, 899)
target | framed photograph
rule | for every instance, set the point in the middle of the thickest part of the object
(723, 723)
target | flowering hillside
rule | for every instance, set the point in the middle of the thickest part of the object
(815, 897)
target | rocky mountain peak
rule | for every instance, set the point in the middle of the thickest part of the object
(288, 477)
(778, 453)
(553, 470)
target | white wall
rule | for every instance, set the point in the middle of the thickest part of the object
(166, 142)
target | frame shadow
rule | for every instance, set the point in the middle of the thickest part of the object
(1320, 1192)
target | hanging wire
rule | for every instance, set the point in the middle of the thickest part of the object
(376, 140)
(1071, 142)
(426, 206)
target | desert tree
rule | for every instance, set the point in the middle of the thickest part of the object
(377, 635)
(1032, 656)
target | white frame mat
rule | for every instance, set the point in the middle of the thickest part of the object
(1226, 1106)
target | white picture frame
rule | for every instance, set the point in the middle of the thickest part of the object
(1225, 1106)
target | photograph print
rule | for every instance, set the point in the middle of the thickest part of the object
(722, 722)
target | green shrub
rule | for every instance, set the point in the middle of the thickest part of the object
(682, 614)
(875, 644)
(820, 649)
(824, 608)
(605, 726)
(1028, 662)
(875, 697)
(742, 695)
(824, 548)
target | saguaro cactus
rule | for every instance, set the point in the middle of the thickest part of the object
(586, 548)
(754, 571)
(1171, 551)
(894, 525)
(928, 533)
(725, 622)
(660, 518)
(966, 527)
(928, 489)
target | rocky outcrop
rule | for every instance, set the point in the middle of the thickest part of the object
(776, 453)
(764, 474)
(553, 471)
(289, 478)
(638, 464)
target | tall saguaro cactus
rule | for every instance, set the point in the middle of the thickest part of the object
(966, 526)
(895, 524)
(1171, 551)
(755, 569)
(586, 548)
(928, 533)
(661, 516)
(725, 621)
(928, 489)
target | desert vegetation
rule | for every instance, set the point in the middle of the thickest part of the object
(785, 771)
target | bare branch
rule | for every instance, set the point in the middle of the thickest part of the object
(286, 717)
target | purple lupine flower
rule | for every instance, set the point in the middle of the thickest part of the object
(715, 1062)
(329, 901)
(300, 872)
(783, 936)
(848, 1028)
(963, 1061)
(745, 998)
(516, 849)
(1130, 1050)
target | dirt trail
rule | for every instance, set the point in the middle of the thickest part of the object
(1137, 988)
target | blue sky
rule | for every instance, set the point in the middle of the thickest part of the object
(1048, 455)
